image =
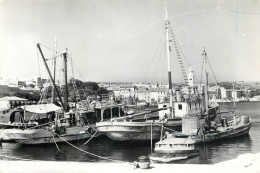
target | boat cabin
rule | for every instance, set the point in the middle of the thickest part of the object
(10, 116)
(173, 143)
(107, 112)
(167, 111)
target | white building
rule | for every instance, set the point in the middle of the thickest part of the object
(152, 95)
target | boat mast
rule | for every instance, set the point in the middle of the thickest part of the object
(233, 95)
(168, 58)
(66, 82)
(206, 83)
(48, 70)
(54, 71)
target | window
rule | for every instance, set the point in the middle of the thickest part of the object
(180, 106)
(115, 112)
(98, 113)
(107, 114)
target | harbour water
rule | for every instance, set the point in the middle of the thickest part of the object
(210, 153)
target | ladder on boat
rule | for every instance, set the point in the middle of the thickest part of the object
(176, 48)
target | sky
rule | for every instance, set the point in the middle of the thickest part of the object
(124, 40)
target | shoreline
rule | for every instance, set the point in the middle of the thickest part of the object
(243, 163)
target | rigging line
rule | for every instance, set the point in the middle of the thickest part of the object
(154, 54)
(72, 63)
(77, 70)
(160, 59)
(153, 57)
(77, 94)
(155, 73)
(212, 70)
(50, 48)
(164, 60)
(38, 63)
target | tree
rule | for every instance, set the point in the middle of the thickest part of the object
(91, 85)
(89, 88)
(102, 90)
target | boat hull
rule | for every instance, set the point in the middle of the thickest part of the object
(165, 157)
(136, 131)
(121, 131)
(45, 136)
(229, 133)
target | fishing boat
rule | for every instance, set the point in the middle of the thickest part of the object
(200, 128)
(68, 125)
(25, 117)
(170, 149)
(203, 128)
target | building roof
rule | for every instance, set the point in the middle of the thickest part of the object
(12, 98)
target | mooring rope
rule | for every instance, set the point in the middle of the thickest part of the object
(55, 142)
(105, 158)
(91, 137)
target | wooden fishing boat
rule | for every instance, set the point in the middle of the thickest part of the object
(25, 117)
(137, 127)
(202, 131)
(203, 128)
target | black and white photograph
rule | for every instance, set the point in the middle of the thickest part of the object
(129, 86)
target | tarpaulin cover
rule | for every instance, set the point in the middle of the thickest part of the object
(41, 109)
